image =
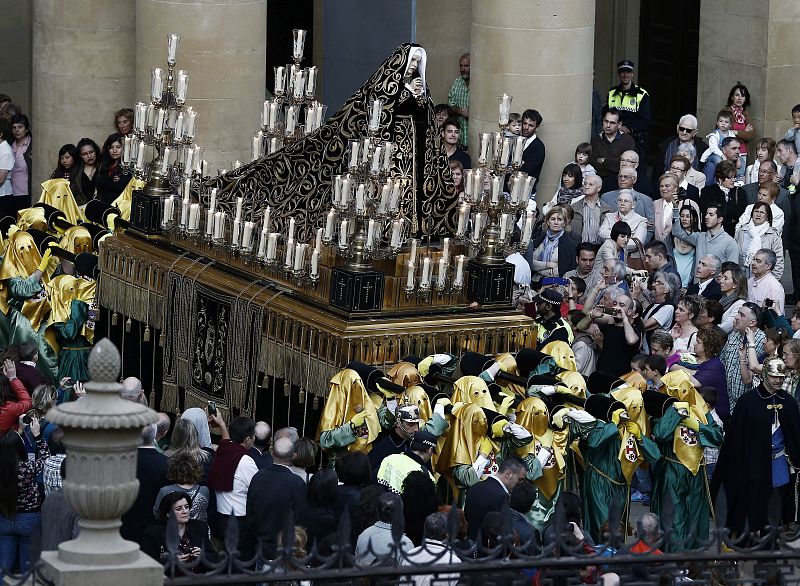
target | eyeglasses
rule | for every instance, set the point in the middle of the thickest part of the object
(680, 169)
(627, 160)
(687, 130)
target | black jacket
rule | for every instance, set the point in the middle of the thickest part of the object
(483, 498)
(567, 252)
(154, 540)
(712, 290)
(274, 491)
(151, 472)
(533, 160)
(735, 203)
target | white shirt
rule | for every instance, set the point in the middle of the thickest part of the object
(702, 286)
(767, 287)
(236, 499)
(6, 164)
(667, 214)
(530, 139)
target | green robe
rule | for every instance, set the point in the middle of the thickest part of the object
(19, 329)
(603, 481)
(689, 492)
(73, 358)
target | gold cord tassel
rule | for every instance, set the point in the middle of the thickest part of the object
(316, 402)
(114, 318)
(146, 336)
(162, 339)
(286, 388)
(128, 325)
(301, 397)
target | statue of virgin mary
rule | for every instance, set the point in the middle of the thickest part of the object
(296, 180)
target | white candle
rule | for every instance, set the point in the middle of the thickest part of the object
(459, 280)
(165, 160)
(526, 191)
(463, 212)
(291, 229)
(140, 157)
(298, 42)
(337, 190)
(213, 205)
(247, 235)
(346, 187)
(354, 146)
(311, 81)
(299, 83)
(192, 118)
(280, 80)
(343, 234)
(219, 225)
(397, 226)
(291, 119)
(375, 118)
(366, 150)
(412, 256)
(299, 256)
(209, 222)
(235, 236)
(161, 116)
(194, 216)
(425, 279)
(204, 167)
(272, 246)
(370, 233)
(239, 203)
(181, 86)
(188, 159)
(151, 116)
(265, 220)
(173, 40)
(309, 121)
(505, 152)
(169, 202)
(484, 148)
(156, 84)
(446, 250)
(519, 147)
(262, 245)
(496, 186)
(273, 115)
(505, 109)
(257, 146)
(184, 213)
(386, 190)
(290, 75)
(376, 159)
(329, 225)
(139, 116)
(388, 149)
(360, 198)
(318, 240)
(395, 196)
(409, 275)
(442, 272)
(187, 189)
(503, 226)
(126, 149)
(477, 232)
(287, 261)
(527, 228)
(315, 263)
(477, 184)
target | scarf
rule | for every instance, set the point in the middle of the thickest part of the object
(550, 245)
(224, 464)
(565, 195)
(728, 300)
(738, 114)
(199, 419)
(755, 232)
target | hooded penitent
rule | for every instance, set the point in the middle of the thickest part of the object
(346, 397)
(686, 442)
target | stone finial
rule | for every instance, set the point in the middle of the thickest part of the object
(104, 362)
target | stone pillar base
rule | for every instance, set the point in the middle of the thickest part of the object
(145, 570)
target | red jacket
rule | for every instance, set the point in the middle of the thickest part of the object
(11, 411)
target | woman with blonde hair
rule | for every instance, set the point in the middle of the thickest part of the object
(553, 252)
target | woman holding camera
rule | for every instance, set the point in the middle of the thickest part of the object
(659, 313)
(20, 497)
(14, 398)
(192, 533)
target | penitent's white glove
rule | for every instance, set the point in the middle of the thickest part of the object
(543, 456)
(517, 431)
(547, 390)
(580, 416)
(441, 358)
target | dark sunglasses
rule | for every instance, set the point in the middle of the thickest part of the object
(682, 129)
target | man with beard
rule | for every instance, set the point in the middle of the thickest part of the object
(761, 449)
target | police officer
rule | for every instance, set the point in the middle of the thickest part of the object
(395, 467)
(633, 102)
(550, 326)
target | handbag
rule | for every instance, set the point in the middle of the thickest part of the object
(637, 263)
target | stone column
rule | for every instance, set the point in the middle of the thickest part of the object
(443, 28)
(223, 48)
(15, 30)
(543, 57)
(83, 71)
(101, 433)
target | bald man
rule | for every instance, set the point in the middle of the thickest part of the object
(260, 450)
(132, 390)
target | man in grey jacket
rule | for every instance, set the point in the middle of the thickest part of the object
(715, 241)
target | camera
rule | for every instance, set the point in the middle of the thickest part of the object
(212, 408)
(610, 311)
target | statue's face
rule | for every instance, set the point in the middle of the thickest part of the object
(413, 63)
